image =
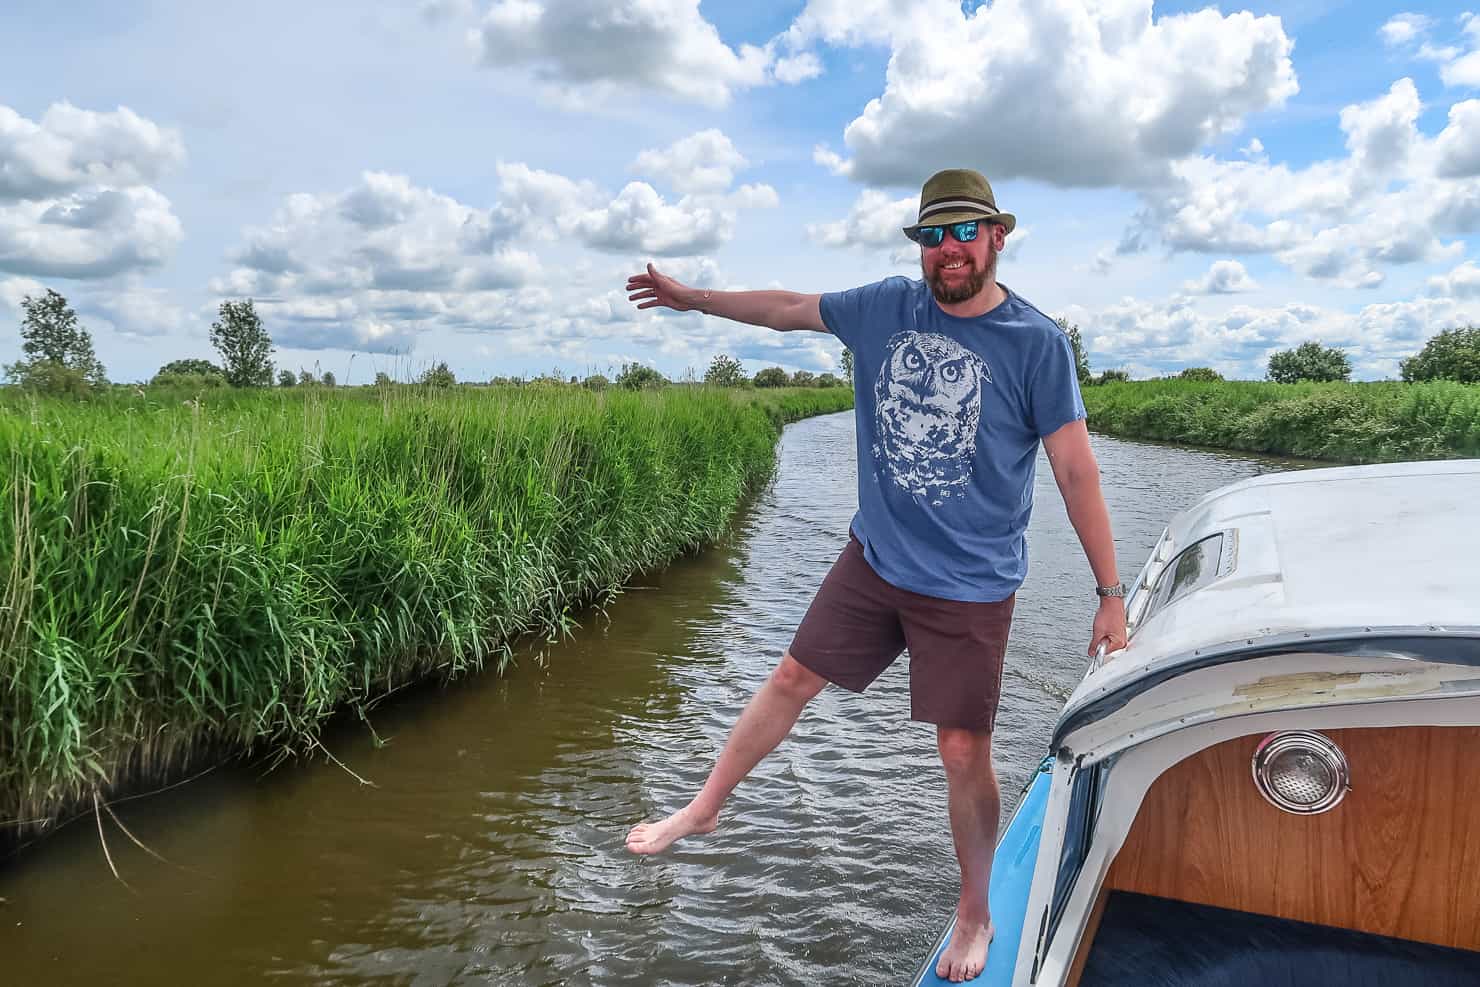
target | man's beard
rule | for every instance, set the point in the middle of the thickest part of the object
(966, 290)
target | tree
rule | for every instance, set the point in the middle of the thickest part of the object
(724, 371)
(637, 376)
(1454, 354)
(772, 377)
(439, 376)
(286, 378)
(328, 379)
(1309, 361)
(804, 378)
(828, 380)
(596, 382)
(1081, 360)
(1206, 374)
(243, 344)
(847, 365)
(59, 351)
(1112, 377)
(383, 379)
(306, 379)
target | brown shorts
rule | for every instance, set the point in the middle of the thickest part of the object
(858, 624)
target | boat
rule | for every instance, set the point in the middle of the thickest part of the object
(1273, 781)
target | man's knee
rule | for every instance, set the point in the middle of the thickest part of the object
(796, 679)
(963, 751)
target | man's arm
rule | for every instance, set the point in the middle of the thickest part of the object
(781, 310)
(1078, 476)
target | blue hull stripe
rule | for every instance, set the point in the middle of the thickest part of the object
(1012, 877)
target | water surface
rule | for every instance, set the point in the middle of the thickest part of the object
(490, 848)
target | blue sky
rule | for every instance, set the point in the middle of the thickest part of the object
(472, 180)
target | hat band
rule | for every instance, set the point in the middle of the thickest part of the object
(948, 205)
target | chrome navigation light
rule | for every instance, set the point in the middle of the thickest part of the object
(1301, 771)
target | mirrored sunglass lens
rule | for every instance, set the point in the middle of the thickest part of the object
(965, 232)
(931, 236)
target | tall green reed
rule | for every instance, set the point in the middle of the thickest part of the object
(218, 575)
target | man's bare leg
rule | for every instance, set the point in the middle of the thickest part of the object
(974, 807)
(764, 722)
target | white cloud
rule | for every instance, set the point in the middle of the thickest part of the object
(875, 220)
(374, 266)
(1458, 145)
(702, 162)
(72, 149)
(91, 233)
(1076, 94)
(1339, 220)
(588, 52)
(75, 198)
(1403, 29)
(1225, 277)
(1462, 282)
(638, 219)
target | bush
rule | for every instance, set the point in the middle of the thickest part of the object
(439, 376)
(1309, 361)
(49, 378)
(640, 377)
(829, 380)
(804, 378)
(1454, 354)
(596, 382)
(772, 377)
(1206, 374)
(1112, 377)
(383, 379)
(197, 368)
(194, 382)
(724, 371)
(286, 378)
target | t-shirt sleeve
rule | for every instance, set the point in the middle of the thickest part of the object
(845, 313)
(1053, 394)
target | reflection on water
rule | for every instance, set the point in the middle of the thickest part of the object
(490, 847)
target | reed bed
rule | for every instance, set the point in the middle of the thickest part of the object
(1341, 422)
(221, 575)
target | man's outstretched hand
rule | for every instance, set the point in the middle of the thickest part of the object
(653, 289)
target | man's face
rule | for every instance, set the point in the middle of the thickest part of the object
(957, 271)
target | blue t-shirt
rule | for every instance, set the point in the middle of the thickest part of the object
(950, 412)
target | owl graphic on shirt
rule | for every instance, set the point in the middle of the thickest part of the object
(927, 406)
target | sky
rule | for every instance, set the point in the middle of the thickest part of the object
(472, 181)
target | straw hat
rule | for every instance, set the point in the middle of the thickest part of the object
(955, 196)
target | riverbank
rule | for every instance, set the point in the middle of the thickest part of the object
(1344, 422)
(223, 575)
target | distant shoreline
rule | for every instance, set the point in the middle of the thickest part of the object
(1339, 422)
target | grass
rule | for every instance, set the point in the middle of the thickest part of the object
(224, 574)
(1342, 422)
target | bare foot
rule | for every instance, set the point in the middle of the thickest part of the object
(965, 956)
(656, 836)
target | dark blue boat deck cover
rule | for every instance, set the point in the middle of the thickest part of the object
(1145, 941)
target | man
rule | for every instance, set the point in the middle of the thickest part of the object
(957, 381)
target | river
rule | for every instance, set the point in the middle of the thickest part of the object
(488, 846)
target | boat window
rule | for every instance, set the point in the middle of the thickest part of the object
(1191, 570)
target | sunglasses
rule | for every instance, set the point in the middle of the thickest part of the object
(933, 236)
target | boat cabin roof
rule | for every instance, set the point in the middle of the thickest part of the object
(1290, 560)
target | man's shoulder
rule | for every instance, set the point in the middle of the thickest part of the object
(1030, 316)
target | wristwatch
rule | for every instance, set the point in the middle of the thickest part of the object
(1117, 590)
